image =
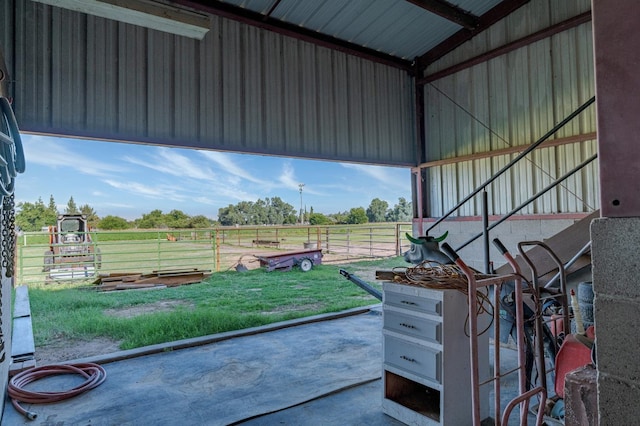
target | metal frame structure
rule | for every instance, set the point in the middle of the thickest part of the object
(522, 400)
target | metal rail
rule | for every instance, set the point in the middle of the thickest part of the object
(531, 199)
(362, 284)
(523, 154)
(482, 187)
(218, 249)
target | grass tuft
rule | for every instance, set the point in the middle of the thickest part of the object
(227, 301)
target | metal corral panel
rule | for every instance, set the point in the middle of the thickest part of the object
(513, 100)
(240, 89)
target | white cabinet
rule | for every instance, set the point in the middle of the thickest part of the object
(426, 368)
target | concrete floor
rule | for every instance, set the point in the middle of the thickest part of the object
(320, 373)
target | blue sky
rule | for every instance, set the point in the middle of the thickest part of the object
(128, 180)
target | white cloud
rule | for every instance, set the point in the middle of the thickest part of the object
(227, 164)
(55, 153)
(119, 205)
(158, 192)
(381, 174)
(204, 200)
(169, 161)
(203, 194)
(288, 179)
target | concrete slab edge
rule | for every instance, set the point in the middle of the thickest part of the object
(213, 338)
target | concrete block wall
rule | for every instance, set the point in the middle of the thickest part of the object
(510, 232)
(616, 284)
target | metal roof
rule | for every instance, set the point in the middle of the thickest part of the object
(394, 32)
(326, 79)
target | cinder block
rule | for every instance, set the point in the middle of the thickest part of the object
(617, 337)
(530, 227)
(581, 397)
(471, 226)
(617, 401)
(615, 248)
(452, 226)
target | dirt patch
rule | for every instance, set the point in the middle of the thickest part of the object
(160, 306)
(64, 349)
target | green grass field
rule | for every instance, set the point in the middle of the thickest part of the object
(226, 301)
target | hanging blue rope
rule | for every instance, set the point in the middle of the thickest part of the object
(11, 152)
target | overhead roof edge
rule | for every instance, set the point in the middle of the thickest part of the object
(497, 13)
(255, 19)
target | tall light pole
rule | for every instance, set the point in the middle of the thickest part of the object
(301, 185)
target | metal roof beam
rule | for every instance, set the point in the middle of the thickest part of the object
(509, 47)
(259, 20)
(449, 12)
(494, 15)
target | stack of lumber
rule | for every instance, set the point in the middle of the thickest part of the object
(156, 279)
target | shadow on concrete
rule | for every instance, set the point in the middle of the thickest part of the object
(320, 371)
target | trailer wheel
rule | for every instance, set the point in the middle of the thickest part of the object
(306, 265)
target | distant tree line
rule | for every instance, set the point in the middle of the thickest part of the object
(270, 211)
(274, 211)
(36, 216)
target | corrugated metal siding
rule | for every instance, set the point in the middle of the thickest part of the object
(396, 27)
(6, 33)
(513, 100)
(240, 89)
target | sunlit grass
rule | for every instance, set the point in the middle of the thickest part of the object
(226, 301)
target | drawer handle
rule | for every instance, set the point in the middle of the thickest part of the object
(406, 302)
(406, 358)
(407, 325)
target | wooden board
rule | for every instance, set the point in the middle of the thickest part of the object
(565, 244)
(156, 279)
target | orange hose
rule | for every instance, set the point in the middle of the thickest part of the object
(93, 373)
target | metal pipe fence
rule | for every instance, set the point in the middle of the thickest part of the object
(115, 252)
(216, 249)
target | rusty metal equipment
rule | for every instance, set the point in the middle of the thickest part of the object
(72, 254)
(545, 343)
(304, 259)
(525, 394)
(566, 351)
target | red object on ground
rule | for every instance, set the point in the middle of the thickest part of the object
(556, 325)
(573, 354)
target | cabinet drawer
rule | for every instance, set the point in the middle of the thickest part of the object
(419, 360)
(421, 328)
(419, 304)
